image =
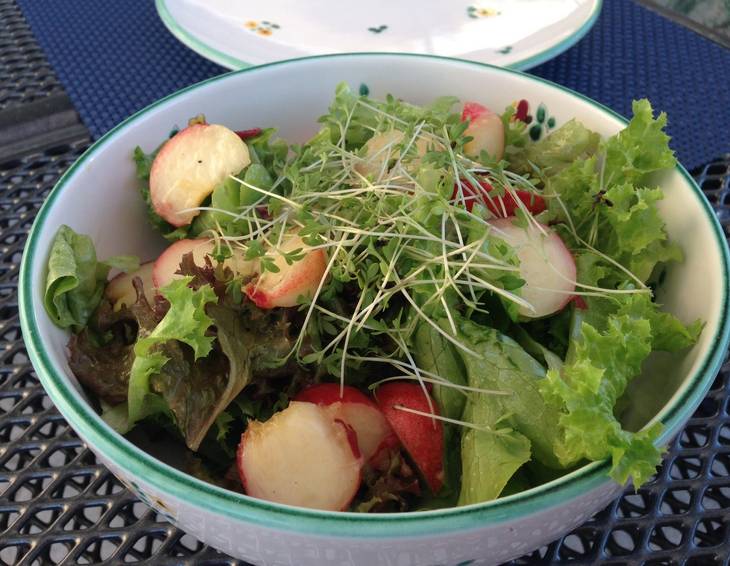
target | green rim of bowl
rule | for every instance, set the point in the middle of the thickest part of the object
(228, 61)
(169, 480)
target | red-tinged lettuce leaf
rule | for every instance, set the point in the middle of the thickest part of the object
(197, 391)
(101, 355)
(392, 487)
(199, 468)
(187, 322)
(250, 345)
(209, 393)
(102, 370)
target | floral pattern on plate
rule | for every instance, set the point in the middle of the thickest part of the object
(540, 124)
(263, 27)
(518, 33)
(479, 12)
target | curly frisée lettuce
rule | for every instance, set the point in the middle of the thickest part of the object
(379, 251)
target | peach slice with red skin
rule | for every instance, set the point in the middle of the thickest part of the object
(546, 265)
(301, 457)
(166, 266)
(384, 146)
(374, 434)
(500, 206)
(420, 435)
(298, 279)
(486, 130)
(190, 165)
(120, 289)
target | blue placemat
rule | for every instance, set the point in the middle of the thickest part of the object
(116, 57)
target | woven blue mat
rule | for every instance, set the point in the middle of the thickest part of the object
(116, 57)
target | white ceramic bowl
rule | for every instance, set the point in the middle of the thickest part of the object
(98, 196)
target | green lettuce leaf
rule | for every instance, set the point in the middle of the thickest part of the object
(639, 149)
(230, 198)
(489, 459)
(668, 332)
(502, 365)
(434, 354)
(268, 151)
(75, 281)
(576, 185)
(605, 200)
(570, 143)
(117, 417)
(635, 234)
(610, 339)
(587, 390)
(125, 263)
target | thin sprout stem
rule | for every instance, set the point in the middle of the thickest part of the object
(268, 193)
(465, 424)
(422, 383)
(441, 382)
(438, 329)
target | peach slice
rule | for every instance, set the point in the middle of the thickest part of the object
(486, 129)
(374, 434)
(120, 289)
(190, 165)
(166, 266)
(500, 206)
(421, 436)
(379, 149)
(383, 147)
(300, 279)
(546, 265)
(300, 456)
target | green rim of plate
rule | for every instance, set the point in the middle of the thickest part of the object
(233, 63)
(166, 479)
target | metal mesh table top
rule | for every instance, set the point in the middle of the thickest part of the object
(25, 75)
(58, 505)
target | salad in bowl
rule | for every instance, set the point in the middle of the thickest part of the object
(419, 307)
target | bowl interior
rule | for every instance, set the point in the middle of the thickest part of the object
(99, 195)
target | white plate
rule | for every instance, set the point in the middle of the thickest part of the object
(509, 33)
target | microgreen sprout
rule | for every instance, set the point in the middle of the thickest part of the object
(402, 248)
